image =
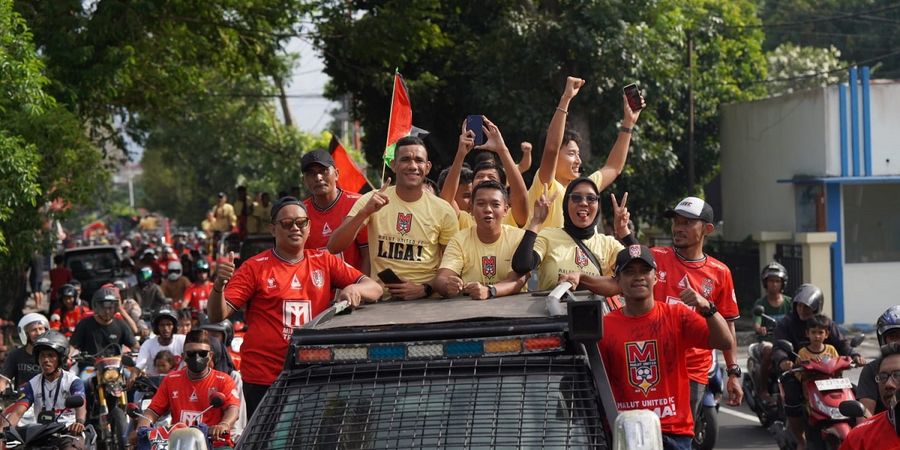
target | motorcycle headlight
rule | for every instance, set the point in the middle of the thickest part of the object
(110, 375)
(831, 411)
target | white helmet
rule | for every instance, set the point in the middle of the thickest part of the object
(173, 271)
(29, 319)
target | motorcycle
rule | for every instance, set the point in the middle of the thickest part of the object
(766, 412)
(827, 393)
(43, 436)
(106, 372)
(180, 435)
(706, 427)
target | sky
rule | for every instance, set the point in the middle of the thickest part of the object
(311, 112)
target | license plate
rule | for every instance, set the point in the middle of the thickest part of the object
(833, 383)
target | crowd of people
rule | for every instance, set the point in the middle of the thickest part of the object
(482, 233)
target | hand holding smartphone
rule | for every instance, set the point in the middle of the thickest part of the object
(633, 95)
(388, 276)
(476, 124)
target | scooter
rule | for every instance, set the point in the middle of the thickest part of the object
(180, 435)
(826, 390)
(706, 427)
(766, 412)
(44, 435)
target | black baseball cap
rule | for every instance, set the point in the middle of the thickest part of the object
(631, 253)
(320, 157)
(692, 208)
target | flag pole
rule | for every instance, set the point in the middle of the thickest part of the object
(387, 137)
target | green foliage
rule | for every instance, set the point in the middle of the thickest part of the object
(508, 59)
(803, 68)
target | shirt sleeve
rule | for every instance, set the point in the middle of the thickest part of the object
(727, 300)
(449, 226)
(229, 390)
(143, 356)
(78, 335)
(613, 247)
(358, 206)
(241, 287)
(342, 274)
(26, 398)
(694, 329)
(453, 258)
(866, 387)
(597, 178)
(541, 244)
(160, 402)
(77, 388)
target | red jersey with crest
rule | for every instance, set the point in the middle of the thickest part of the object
(280, 296)
(711, 279)
(877, 432)
(197, 295)
(644, 358)
(323, 222)
(185, 398)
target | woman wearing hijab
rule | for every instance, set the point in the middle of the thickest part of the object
(575, 252)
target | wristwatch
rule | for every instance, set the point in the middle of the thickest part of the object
(734, 370)
(492, 291)
(428, 290)
(711, 311)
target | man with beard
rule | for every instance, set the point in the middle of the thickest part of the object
(328, 205)
(407, 229)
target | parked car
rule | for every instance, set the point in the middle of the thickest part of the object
(243, 249)
(511, 372)
(94, 266)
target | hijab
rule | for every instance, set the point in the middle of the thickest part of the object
(568, 225)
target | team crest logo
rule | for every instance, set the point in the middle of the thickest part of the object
(662, 276)
(581, 259)
(270, 283)
(489, 266)
(318, 278)
(643, 364)
(707, 287)
(404, 223)
(634, 251)
(159, 436)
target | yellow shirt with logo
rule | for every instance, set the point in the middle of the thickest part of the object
(406, 237)
(474, 260)
(560, 254)
(555, 215)
(466, 220)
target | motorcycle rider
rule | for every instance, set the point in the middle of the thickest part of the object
(887, 328)
(147, 293)
(185, 392)
(103, 328)
(20, 365)
(197, 294)
(175, 283)
(879, 431)
(51, 351)
(807, 302)
(775, 305)
(164, 323)
(70, 312)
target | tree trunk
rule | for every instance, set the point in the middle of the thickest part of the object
(12, 285)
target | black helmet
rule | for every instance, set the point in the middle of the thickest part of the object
(104, 295)
(67, 290)
(774, 269)
(53, 340)
(164, 313)
(809, 295)
(888, 321)
(144, 275)
(225, 327)
(202, 265)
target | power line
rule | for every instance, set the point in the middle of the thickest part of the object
(818, 74)
(819, 20)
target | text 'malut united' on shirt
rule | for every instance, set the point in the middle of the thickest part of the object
(323, 222)
(711, 279)
(476, 261)
(279, 296)
(406, 237)
(185, 398)
(644, 357)
(560, 255)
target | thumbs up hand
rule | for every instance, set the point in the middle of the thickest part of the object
(224, 271)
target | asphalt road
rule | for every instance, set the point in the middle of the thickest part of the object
(739, 428)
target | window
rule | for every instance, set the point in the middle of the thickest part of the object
(871, 223)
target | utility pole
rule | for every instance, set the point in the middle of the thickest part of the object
(690, 155)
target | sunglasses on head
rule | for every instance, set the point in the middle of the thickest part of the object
(589, 198)
(197, 354)
(300, 222)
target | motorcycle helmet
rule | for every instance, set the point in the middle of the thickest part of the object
(202, 265)
(888, 321)
(809, 295)
(144, 275)
(774, 269)
(67, 290)
(173, 270)
(52, 340)
(121, 285)
(225, 327)
(148, 255)
(104, 295)
(163, 314)
(29, 319)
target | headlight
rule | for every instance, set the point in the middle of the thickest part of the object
(834, 413)
(110, 375)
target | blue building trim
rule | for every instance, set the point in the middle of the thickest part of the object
(854, 122)
(842, 121)
(866, 122)
(881, 179)
(833, 205)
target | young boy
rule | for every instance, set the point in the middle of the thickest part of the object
(817, 332)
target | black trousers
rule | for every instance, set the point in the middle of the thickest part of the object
(253, 394)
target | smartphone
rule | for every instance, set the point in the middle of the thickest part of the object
(389, 277)
(476, 124)
(633, 95)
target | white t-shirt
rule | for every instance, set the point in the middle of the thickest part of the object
(150, 348)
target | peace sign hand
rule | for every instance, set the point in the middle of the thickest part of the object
(621, 216)
(378, 200)
(542, 208)
(466, 140)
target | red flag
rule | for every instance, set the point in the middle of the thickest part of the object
(400, 122)
(351, 178)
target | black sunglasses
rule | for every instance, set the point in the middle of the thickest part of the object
(197, 354)
(300, 222)
(589, 198)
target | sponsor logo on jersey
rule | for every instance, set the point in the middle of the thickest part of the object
(581, 259)
(193, 397)
(296, 313)
(489, 266)
(174, 394)
(684, 283)
(643, 364)
(159, 436)
(404, 223)
(318, 278)
(707, 287)
(189, 416)
(326, 230)
(295, 282)
(662, 276)
(271, 283)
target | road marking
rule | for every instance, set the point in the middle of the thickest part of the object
(738, 414)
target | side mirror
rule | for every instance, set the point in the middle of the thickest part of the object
(217, 400)
(758, 311)
(785, 346)
(856, 341)
(852, 408)
(133, 410)
(128, 361)
(74, 401)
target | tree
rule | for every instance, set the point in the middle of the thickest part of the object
(803, 68)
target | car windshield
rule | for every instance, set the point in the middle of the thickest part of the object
(86, 265)
(524, 402)
(255, 246)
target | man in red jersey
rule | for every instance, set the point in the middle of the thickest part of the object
(686, 273)
(644, 345)
(197, 294)
(282, 289)
(185, 393)
(879, 431)
(327, 207)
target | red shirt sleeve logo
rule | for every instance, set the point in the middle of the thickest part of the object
(489, 266)
(404, 223)
(643, 364)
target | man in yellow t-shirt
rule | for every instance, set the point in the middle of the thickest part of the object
(259, 218)
(408, 229)
(478, 260)
(223, 212)
(561, 161)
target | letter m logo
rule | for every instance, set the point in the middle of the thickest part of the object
(296, 313)
(643, 364)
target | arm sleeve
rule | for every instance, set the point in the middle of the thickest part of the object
(866, 387)
(454, 258)
(629, 239)
(342, 274)
(694, 329)
(525, 259)
(241, 288)
(360, 202)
